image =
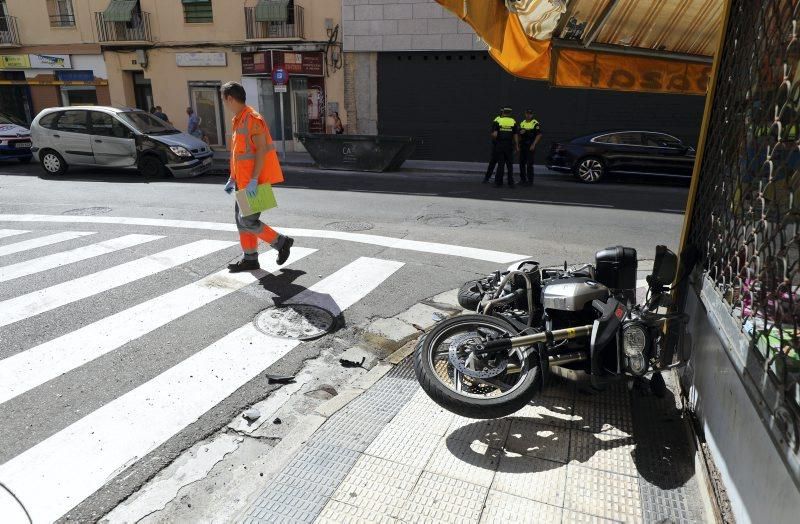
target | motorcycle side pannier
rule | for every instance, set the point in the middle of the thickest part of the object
(616, 267)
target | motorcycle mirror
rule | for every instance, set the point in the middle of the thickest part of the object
(665, 267)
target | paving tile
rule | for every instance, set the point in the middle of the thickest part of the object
(340, 513)
(536, 439)
(404, 445)
(596, 416)
(491, 432)
(575, 517)
(532, 478)
(425, 415)
(549, 411)
(377, 485)
(441, 499)
(502, 508)
(558, 387)
(604, 494)
(603, 451)
(471, 462)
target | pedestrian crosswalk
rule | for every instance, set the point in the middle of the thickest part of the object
(70, 463)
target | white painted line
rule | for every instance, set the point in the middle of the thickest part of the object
(78, 460)
(25, 370)
(377, 240)
(56, 260)
(5, 233)
(36, 302)
(48, 240)
(555, 203)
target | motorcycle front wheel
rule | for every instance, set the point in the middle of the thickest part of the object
(456, 379)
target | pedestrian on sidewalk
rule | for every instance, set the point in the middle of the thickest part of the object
(505, 136)
(254, 161)
(194, 124)
(338, 127)
(530, 132)
(161, 114)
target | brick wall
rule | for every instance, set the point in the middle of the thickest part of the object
(404, 25)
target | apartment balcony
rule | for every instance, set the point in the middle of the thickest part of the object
(124, 32)
(9, 32)
(274, 20)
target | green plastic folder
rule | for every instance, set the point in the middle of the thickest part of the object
(264, 199)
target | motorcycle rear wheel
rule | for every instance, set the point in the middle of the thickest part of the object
(470, 397)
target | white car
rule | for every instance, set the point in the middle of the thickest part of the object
(116, 137)
(15, 139)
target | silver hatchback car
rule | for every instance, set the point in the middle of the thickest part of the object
(115, 137)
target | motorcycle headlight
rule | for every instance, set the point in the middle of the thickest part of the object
(180, 151)
(634, 345)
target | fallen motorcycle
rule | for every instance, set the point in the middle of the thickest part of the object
(531, 322)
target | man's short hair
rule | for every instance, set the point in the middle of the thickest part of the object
(234, 90)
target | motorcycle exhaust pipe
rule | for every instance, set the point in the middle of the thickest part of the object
(505, 344)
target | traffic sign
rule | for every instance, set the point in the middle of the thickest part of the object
(280, 88)
(280, 76)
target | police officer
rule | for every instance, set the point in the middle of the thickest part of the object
(530, 133)
(505, 136)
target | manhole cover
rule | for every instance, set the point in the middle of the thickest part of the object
(295, 321)
(86, 211)
(350, 226)
(443, 220)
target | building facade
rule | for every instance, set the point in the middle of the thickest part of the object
(175, 54)
(439, 84)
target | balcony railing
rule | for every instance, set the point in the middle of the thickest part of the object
(9, 32)
(293, 27)
(64, 20)
(137, 30)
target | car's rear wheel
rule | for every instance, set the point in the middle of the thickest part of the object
(590, 170)
(52, 162)
(152, 167)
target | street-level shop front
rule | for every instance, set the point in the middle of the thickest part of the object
(31, 82)
(304, 103)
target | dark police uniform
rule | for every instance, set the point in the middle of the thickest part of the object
(529, 130)
(506, 129)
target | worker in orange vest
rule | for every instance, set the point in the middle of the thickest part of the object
(254, 161)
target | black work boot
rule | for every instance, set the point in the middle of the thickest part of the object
(284, 250)
(245, 264)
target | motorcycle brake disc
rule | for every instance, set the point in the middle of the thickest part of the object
(460, 352)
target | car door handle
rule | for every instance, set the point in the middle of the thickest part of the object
(57, 136)
(98, 140)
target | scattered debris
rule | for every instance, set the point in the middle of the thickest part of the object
(438, 317)
(325, 392)
(352, 363)
(277, 421)
(418, 327)
(251, 415)
(280, 379)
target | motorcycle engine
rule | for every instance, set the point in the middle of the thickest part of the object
(568, 301)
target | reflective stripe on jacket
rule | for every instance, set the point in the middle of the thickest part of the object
(246, 125)
(506, 123)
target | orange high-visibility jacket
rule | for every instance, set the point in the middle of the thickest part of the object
(246, 125)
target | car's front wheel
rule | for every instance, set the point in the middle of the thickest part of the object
(152, 167)
(52, 162)
(590, 170)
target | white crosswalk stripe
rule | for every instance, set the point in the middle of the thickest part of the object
(48, 240)
(37, 302)
(24, 371)
(5, 233)
(56, 260)
(61, 471)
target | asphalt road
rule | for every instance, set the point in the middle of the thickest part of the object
(108, 342)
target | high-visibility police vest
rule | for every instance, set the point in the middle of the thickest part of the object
(246, 125)
(529, 125)
(506, 123)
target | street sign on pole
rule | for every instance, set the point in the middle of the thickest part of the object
(279, 80)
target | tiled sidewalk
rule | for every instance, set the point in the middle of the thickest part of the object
(392, 455)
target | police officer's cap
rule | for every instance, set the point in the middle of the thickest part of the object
(507, 110)
(529, 111)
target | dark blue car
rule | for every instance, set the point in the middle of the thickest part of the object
(15, 139)
(590, 158)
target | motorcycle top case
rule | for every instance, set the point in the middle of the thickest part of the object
(616, 267)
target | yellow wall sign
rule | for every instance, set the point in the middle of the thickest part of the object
(14, 62)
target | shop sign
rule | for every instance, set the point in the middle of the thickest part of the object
(201, 59)
(304, 63)
(14, 62)
(49, 61)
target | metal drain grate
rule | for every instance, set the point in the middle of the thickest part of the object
(295, 321)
